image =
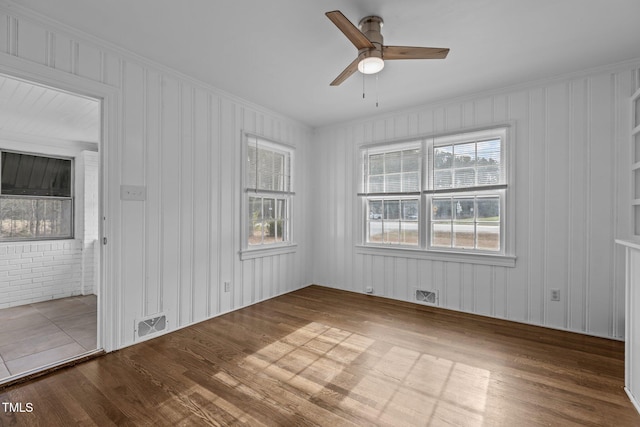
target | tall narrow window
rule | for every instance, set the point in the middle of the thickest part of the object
(468, 191)
(36, 199)
(391, 184)
(268, 188)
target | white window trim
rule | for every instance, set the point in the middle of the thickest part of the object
(290, 246)
(506, 258)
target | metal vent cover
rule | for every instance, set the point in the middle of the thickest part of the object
(150, 326)
(427, 297)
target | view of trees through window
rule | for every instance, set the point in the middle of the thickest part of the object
(25, 218)
(268, 186)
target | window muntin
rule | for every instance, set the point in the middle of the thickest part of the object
(463, 194)
(467, 222)
(393, 221)
(269, 195)
(36, 200)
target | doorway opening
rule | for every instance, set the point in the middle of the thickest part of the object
(50, 142)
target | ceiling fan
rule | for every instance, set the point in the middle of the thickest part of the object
(371, 52)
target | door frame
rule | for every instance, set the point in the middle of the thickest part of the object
(108, 97)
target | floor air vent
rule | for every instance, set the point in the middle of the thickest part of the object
(150, 326)
(427, 297)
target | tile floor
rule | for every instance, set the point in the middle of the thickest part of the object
(36, 335)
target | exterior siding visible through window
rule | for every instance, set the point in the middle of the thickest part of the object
(440, 194)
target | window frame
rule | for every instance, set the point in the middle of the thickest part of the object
(71, 198)
(505, 189)
(249, 191)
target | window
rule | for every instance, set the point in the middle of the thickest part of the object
(36, 199)
(268, 188)
(440, 194)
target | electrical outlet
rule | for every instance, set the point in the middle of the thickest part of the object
(227, 286)
(555, 294)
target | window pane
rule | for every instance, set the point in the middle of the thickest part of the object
(268, 208)
(464, 155)
(464, 235)
(465, 178)
(489, 153)
(281, 212)
(410, 210)
(488, 175)
(488, 236)
(441, 209)
(392, 162)
(28, 218)
(463, 209)
(409, 233)
(255, 221)
(441, 234)
(28, 175)
(442, 179)
(252, 162)
(375, 209)
(391, 231)
(376, 164)
(411, 160)
(411, 181)
(376, 184)
(375, 232)
(392, 209)
(267, 169)
(488, 209)
(392, 183)
(443, 157)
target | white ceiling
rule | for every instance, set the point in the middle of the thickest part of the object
(282, 54)
(47, 114)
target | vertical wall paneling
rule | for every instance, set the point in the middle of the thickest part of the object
(153, 179)
(557, 190)
(132, 173)
(32, 41)
(568, 137)
(601, 199)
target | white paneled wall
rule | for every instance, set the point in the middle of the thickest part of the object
(181, 140)
(571, 139)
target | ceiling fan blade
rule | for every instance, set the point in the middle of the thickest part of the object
(344, 75)
(409, 52)
(359, 40)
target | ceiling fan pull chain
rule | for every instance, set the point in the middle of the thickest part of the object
(377, 91)
(362, 85)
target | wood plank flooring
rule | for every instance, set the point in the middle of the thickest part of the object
(320, 356)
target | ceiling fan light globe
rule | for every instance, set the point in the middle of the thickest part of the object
(371, 65)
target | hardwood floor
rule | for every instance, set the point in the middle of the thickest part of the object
(319, 356)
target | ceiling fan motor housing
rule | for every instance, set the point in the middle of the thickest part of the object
(370, 27)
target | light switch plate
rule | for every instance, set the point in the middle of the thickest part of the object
(133, 192)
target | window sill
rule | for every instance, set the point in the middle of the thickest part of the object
(268, 251)
(466, 258)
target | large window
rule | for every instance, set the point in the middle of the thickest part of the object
(36, 200)
(445, 194)
(268, 188)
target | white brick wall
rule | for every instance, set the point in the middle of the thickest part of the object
(39, 271)
(87, 166)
